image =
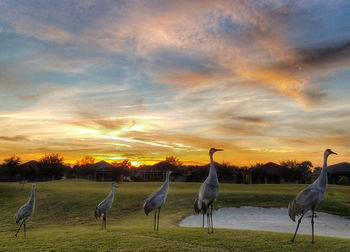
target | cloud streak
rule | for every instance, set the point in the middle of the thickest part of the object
(18, 138)
(144, 80)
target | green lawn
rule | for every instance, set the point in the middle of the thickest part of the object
(63, 218)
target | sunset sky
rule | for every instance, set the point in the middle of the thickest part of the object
(142, 80)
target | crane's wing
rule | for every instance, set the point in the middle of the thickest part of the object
(201, 191)
(198, 204)
(105, 205)
(208, 193)
(306, 200)
(309, 197)
(23, 212)
(154, 201)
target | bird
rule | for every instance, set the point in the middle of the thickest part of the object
(310, 197)
(156, 200)
(102, 208)
(208, 192)
(22, 182)
(25, 211)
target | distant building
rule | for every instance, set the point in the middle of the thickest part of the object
(156, 172)
(270, 174)
(103, 171)
(151, 175)
(339, 173)
(273, 175)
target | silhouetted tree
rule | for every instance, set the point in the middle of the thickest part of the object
(30, 170)
(317, 169)
(258, 174)
(226, 172)
(295, 171)
(303, 172)
(10, 169)
(121, 169)
(124, 164)
(84, 168)
(173, 160)
(86, 160)
(51, 166)
(241, 174)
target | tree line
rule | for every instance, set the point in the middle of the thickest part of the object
(52, 167)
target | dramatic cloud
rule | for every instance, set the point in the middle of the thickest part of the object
(147, 79)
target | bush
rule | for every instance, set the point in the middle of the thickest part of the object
(343, 180)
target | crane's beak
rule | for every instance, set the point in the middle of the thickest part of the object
(219, 149)
(332, 152)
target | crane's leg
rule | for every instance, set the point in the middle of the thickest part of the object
(105, 220)
(155, 219)
(24, 228)
(292, 240)
(158, 219)
(203, 219)
(312, 223)
(211, 219)
(19, 228)
(208, 220)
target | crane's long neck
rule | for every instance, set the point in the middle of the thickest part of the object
(111, 193)
(213, 177)
(322, 180)
(32, 196)
(165, 186)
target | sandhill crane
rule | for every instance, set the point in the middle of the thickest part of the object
(310, 197)
(22, 182)
(156, 200)
(102, 208)
(208, 193)
(25, 211)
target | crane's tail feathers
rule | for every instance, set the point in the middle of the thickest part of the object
(294, 210)
(97, 213)
(196, 208)
(147, 208)
(17, 219)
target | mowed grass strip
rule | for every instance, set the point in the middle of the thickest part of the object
(63, 218)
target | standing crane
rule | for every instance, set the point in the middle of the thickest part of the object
(22, 182)
(25, 211)
(208, 192)
(102, 208)
(310, 197)
(156, 200)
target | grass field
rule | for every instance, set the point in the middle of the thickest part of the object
(63, 219)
